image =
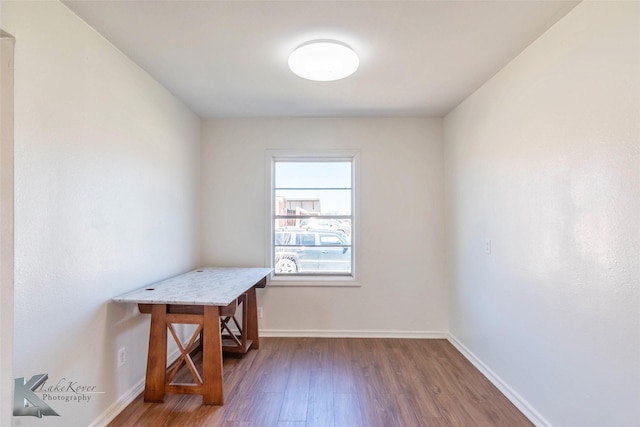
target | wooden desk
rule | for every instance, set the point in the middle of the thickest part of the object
(194, 298)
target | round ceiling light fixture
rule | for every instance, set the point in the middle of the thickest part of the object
(323, 60)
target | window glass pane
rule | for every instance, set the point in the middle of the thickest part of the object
(284, 238)
(312, 251)
(312, 174)
(312, 218)
(328, 239)
(314, 202)
(287, 229)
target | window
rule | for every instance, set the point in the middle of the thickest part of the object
(312, 225)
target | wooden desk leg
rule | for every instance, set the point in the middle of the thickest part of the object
(157, 356)
(251, 323)
(212, 357)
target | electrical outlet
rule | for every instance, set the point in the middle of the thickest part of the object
(122, 356)
(260, 313)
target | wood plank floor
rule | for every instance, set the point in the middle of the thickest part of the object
(340, 382)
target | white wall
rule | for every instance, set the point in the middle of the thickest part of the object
(106, 188)
(401, 269)
(544, 160)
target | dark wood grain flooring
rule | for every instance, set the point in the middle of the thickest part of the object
(340, 382)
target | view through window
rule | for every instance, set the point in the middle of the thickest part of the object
(313, 217)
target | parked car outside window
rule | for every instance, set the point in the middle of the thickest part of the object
(312, 251)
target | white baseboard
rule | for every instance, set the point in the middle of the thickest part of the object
(315, 333)
(129, 396)
(525, 407)
(118, 406)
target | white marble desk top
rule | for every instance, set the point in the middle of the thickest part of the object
(204, 286)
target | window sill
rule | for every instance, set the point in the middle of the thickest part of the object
(314, 281)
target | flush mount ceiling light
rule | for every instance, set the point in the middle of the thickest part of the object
(323, 60)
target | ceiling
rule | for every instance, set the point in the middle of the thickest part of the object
(229, 58)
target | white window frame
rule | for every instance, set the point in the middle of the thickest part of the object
(271, 157)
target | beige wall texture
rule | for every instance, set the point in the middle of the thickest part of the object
(106, 200)
(544, 160)
(400, 263)
(6, 225)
